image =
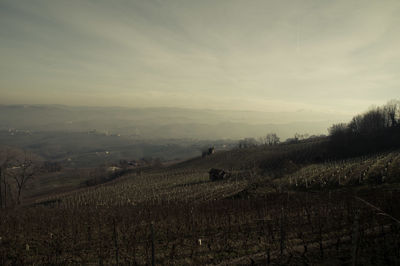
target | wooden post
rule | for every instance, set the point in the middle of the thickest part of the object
(152, 244)
(282, 233)
(355, 238)
(1, 189)
(116, 243)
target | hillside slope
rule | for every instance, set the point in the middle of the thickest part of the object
(253, 172)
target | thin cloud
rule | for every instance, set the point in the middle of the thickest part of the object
(257, 55)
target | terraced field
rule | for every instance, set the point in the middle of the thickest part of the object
(367, 170)
(153, 187)
(177, 216)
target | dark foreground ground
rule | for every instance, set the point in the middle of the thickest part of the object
(300, 228)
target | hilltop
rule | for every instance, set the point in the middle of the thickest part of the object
(258, 170)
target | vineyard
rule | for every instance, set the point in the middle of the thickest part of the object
(177, 216)
(301, 228)
(154, 187)
(373, 170)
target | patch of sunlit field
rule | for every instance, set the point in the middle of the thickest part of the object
(367, 170)
(157, 186)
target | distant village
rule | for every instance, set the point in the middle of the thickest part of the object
(13, 132)
(103, 133)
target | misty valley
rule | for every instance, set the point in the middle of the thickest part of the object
(188, 132)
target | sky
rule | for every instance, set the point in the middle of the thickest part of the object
(323, 56)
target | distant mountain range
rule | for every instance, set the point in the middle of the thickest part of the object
(164, 123)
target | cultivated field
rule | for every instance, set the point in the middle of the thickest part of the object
(182, 218)
(367, 170)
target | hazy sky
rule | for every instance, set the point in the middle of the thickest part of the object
(250, 55)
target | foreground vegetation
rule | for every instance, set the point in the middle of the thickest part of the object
(188, 219)
(280, 228)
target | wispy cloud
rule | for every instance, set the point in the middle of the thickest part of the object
(261, 55)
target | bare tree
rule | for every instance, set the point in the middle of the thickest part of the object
(6, 157)
(337, 129)
(3, 167)
(356, 125)
(22, 170)
(271, 139)
(392, 113)
(299, 136)
(247, 143)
